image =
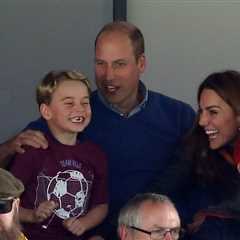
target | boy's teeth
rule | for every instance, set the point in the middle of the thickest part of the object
(77, 119)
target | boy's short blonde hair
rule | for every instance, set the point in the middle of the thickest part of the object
(52, 80)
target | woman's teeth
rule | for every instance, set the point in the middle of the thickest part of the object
(212, 133)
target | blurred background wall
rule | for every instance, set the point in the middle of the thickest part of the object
(39, 36)
(186, 40)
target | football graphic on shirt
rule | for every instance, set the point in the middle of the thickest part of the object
(69, 189)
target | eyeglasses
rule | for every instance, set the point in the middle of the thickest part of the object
(159, 234)
(6, 205)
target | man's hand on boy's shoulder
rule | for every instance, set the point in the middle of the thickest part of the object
(29, 137)
(16, 144)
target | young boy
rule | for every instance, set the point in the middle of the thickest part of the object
(66, 184)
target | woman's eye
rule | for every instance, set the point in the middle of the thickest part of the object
(212, 112)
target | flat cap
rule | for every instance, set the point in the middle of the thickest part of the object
(10, 186)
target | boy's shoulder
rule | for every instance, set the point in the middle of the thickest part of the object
(39, 124)
(31, 152)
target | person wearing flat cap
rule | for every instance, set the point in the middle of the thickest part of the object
(10, 190)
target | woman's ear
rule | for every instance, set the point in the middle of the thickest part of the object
(45, 111)
(238, 122)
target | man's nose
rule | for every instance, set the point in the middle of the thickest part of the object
(109, 73)
(168, 236)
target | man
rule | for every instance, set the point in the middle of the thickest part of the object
(149, 216)
(10, 190)
(140, 130)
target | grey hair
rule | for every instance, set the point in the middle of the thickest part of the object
(129, 214)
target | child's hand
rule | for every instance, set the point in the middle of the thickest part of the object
(44, 211)
(75, 225)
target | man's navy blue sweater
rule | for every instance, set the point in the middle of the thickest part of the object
(139, 147)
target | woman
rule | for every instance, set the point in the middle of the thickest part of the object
(208, 174)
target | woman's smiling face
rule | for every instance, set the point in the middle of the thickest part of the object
(217, 119)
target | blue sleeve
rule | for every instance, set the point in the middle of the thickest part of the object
(40, 124)
(188, 116)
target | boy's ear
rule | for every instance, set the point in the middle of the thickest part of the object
(45, 111)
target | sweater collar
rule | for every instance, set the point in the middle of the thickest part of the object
(144, 92)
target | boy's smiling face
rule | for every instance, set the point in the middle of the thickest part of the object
(69, 111)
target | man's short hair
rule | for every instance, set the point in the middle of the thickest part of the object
(133, 33)
(129, 214)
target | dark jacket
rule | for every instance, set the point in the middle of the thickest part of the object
(191, 193)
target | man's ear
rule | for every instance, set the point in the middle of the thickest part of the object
(16, 204)
(141, 62)
(45, 111)
(123, 232)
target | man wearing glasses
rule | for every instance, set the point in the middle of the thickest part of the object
(149, 216)
(10, 190)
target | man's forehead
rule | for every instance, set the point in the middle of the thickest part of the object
(113, 47)
(115, 40)
(159, 214)
(113, 34)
